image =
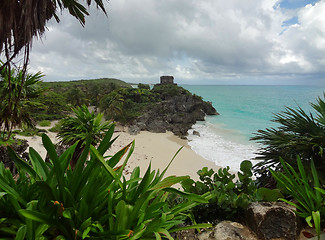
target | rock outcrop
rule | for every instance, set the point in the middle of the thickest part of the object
(176, 114)
(273, 220)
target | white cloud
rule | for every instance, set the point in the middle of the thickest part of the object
(192, 40)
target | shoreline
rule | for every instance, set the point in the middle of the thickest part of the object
(157, 148)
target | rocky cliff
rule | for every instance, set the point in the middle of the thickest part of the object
(176, 113)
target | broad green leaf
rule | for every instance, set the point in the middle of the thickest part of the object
(316, 219)
(21, 163)
(21, 233)
(38, 163)
(40, 230)
(35, 216)
(55, 159)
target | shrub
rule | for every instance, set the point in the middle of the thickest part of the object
(45, 123)
(229, 197)
(93, 201)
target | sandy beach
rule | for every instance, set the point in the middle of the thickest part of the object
(157, 148)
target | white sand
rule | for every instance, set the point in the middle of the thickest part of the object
(157, 148)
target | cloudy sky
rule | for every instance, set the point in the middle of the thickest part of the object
(198, 42)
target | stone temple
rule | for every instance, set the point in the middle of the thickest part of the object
(167, 80)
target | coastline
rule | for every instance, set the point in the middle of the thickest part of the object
(157, 148)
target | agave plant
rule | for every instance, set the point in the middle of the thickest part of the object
(298, 133)
(93, 201)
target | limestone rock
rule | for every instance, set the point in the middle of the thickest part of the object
(272, 221)
(176, 114)
(228, 230)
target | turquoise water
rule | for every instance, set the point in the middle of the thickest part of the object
(243, 110)
(248, 108)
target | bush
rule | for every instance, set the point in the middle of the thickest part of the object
(45, 123)
(230, 197)
(93, 201)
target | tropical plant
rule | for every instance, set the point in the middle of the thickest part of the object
(230, 197)
(78, 128)
(93, 201)
(112, 104)
(17, 99)
(298, 133)
(305, 191)
(19, 25)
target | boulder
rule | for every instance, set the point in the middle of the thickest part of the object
(228, 230)
(196, 133)
(273, 220)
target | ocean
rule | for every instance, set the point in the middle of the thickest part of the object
(224, 139)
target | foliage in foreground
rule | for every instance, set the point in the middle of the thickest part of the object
(307, 192)
(299, 133)
(93, 201)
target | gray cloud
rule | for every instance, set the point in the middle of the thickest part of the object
(196, 41)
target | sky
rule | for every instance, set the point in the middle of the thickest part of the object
(198, 42)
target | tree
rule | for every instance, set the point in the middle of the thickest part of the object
(80, 127)
(298, 133)
(16, 99)
(20, 22)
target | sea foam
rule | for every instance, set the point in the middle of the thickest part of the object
(223, 147)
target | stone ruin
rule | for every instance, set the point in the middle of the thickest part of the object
(167, 80)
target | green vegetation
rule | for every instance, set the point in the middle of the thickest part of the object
(45, 123)
(125, 104)
(77, 129)
(230, 197)
(93, 201)
(17, 93)
(306, 192)
(299, 133)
